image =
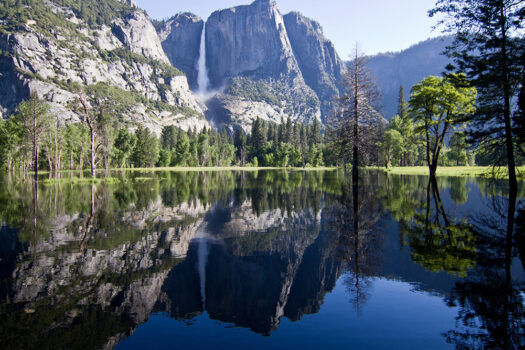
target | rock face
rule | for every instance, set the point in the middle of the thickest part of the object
(137, 33)
(319, 62)
(181, 36)
(250, 57)
(123, 57)
(249, 40)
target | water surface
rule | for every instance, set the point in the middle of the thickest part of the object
(280, 259)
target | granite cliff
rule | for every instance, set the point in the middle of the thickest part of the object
(55, 48)
(259, 62)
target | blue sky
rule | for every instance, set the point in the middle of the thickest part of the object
(376, 25)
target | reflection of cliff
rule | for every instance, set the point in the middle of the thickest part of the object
(89, 288)
(316, 276)
(255, 276)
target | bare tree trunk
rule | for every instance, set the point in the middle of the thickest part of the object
(513, 182)
(92, 151)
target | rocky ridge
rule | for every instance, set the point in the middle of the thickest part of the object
(123, 57)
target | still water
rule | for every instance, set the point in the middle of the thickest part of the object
(257, 260)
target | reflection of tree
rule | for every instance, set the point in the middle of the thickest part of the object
(458, 189)
(437, 242)
(492, 312)
(520, 229)
(354, 216)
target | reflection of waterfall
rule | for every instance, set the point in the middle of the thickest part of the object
(203, 238)
(202, 77)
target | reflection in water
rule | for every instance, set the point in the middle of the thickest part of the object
(203, 241)
(81, 266)
(492, 313)
(354, 216)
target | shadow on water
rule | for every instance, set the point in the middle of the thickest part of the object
(83, 265)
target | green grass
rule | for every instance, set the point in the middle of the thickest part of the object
(454, 171)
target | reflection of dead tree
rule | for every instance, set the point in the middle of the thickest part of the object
(355, 217)
(88, 225)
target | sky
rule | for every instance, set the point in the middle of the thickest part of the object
(375, 25)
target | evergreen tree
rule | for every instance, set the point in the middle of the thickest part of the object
(146, 151)
(288, 131)
(181, 154)
(258, 140)
(240, 146)
(168, 138)
(316, 137)
(124, 145)
(402, 106)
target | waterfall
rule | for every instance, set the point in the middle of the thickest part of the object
(202, 77)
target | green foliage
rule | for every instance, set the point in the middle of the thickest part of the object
(391, 147)
(146, 151)
(458, 149)
(124, 146)
(439, 106)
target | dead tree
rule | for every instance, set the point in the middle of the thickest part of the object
(356, 117)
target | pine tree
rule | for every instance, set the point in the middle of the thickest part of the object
(402, 107)
(258, 140)
(168, 138)
(146, 151)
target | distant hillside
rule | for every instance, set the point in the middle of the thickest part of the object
(406, 68)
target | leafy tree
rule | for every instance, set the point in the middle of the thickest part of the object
(391, 146)
(458, 148)
(75, 139)
(34, 120)
(489, 47)
(10, 142)
(440, 105)
(520, 117)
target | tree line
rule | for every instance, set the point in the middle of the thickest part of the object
(33, 139)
